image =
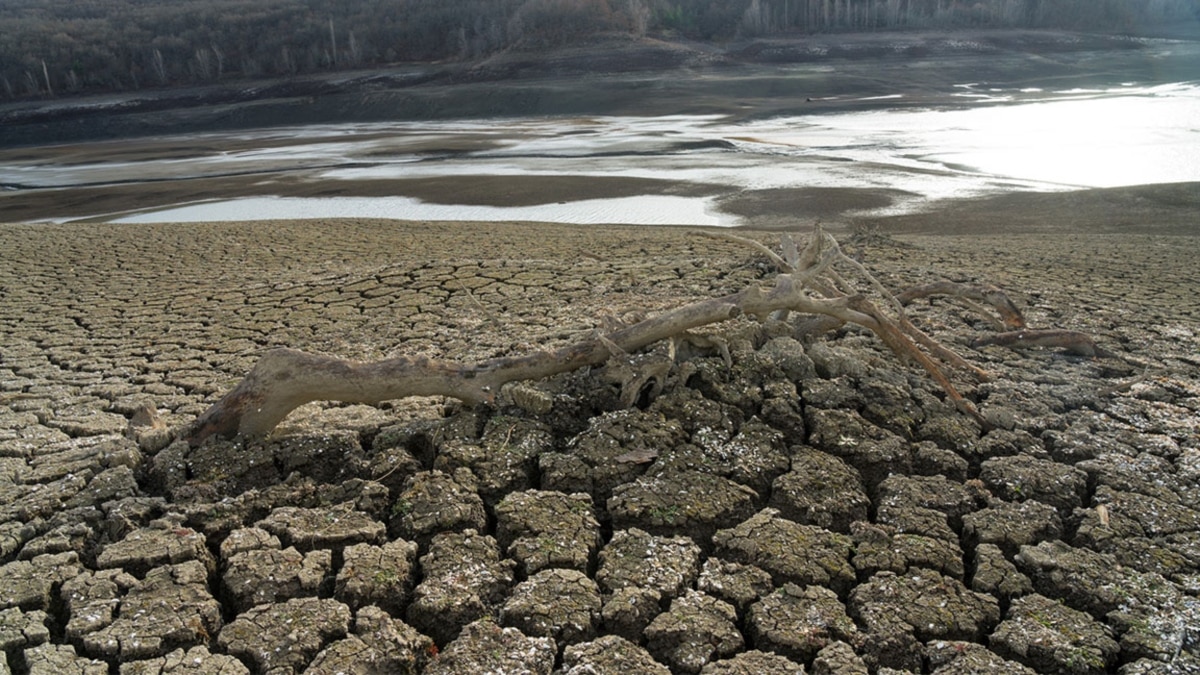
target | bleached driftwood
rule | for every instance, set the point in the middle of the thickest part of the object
(1010, 317)
(284, 379)
(1069, 340)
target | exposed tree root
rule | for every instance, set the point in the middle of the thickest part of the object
(1070, 340)
(284, 379)
(987, 294)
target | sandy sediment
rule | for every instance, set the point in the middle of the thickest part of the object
(812, 503)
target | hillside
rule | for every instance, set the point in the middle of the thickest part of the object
(57, 48)
(617, 75)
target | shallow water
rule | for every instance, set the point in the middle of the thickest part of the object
(980, 139)
(643, 210)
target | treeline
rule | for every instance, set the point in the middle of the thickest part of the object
(62, 47)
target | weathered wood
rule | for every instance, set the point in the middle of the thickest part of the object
(1070, 340)
(284, 379)
(983, 293)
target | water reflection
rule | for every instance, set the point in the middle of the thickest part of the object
(644, 210)
(1084, 138)
(997, 139)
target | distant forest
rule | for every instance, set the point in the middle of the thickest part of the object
(67, 47)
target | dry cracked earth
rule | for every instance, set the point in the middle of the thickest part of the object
(797, 506)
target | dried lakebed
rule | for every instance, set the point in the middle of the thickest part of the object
(805, 507)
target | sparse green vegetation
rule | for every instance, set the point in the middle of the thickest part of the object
(401, 508)
(63, 47)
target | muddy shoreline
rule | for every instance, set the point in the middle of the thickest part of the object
(425, 538)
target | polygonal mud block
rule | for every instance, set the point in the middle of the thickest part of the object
(754, 662)
(30, 584)
(753, 456)
(164, 542)
(247, 539)
(464, 579)
(969, 658)
(923, 603)
(377, 575)
(172, 607)
(1011, 526)
(1051, 637)
(326, 456)
(327, 527)
(694, 504)
(930, 492)
(272, 575)
(50, 659)
(629, 610)
(380, 645)
(541, 528)
(876, 452)
(931, 459)
(1156, 517)
(838, 658)
(879, 548)
(739, 585)
(668, 565)
(195, 661)
(799, 622)
(555, 603)
(789, 551)
(433, 502)
(19, 630)
(484, 647)
(696, 630)
(610, 654)
(285, 635)
(1022, 477)
(916, 520)
(92, 599)
(597, 460)
(996, 575)
(1143, 607)
(820, 489)
(504, 459)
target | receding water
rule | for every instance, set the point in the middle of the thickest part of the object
(643, 210)
(987, 139)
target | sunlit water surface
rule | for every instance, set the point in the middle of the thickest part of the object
(997, 141)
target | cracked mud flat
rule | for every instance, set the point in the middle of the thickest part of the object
(811, 506)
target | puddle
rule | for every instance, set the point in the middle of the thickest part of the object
(643, 210)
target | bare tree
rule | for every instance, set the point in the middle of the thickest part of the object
(46, 74)
(31, 84)
(755, 20)
(639, 17)
(333, 51)
(159, 66)
(219, 57)
(354, 50)
(203, 64)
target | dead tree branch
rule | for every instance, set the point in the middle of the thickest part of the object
(284, 379)
(1070, 340)
(985, 293)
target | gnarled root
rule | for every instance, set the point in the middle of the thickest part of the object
(986, 294)
(1070, 340)
(285, 379)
